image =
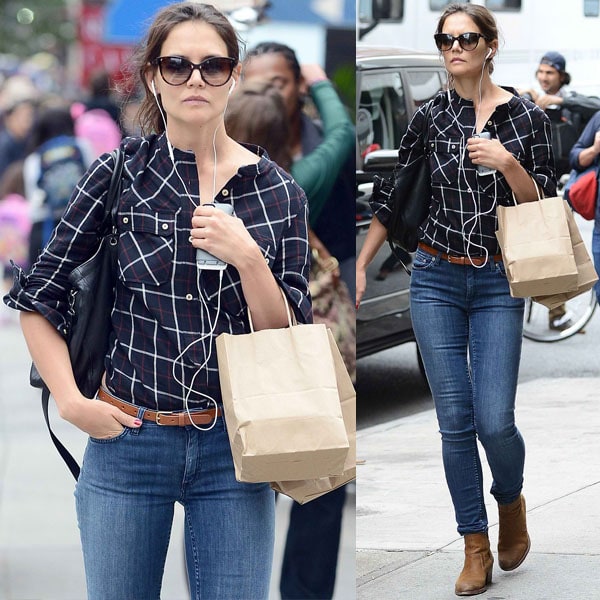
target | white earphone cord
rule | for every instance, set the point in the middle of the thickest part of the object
(461, 167)
(212, 325)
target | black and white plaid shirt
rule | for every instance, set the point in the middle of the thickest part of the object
(159, 315)
(462, 218)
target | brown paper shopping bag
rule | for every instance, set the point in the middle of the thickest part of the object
(586, 274)
(309, 489)
(536, 248)
(282, 409)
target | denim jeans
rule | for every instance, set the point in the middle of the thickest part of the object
(469, 329)
(308, 570)
(125, 502)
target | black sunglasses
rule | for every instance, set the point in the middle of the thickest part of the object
(176, 70)
(467, 41)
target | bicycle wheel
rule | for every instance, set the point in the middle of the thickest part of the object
(536, 325)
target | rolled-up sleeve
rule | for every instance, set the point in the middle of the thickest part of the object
(45, 288)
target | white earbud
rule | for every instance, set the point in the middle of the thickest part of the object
(232, 86)
(490, 52)
(153, 88)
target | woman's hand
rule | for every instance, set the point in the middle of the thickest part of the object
(224, 236)
(98, 419)
(361, 284)
(489, 153)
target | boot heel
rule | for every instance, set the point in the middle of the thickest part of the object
(488, 578)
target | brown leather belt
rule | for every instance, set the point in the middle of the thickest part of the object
(476, 261)
(178, 418)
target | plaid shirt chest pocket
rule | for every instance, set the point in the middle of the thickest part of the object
(146, 246)
(446, 159)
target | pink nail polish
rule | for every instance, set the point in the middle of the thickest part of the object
(137, 422)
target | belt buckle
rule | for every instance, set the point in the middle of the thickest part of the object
(161, 413)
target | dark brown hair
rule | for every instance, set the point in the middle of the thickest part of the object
(256, 114)
(12, 181)
(481, 16)
(166, 19)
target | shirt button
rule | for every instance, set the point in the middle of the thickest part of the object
(489, 122)
(125, 219)
(225, 192)
(453, 147)
(189, 297)
(165, 226)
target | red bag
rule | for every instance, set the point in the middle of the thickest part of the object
(583, 194)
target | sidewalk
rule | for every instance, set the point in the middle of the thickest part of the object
(40, 554)
(407, 544)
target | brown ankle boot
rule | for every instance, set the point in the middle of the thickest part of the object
(477, 571)
(513, 539)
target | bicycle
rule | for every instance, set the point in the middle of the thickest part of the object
(579, 312)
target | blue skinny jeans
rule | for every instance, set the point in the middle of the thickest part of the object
(469, 330)
(125, 500)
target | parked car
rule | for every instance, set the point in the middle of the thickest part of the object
(392, 83)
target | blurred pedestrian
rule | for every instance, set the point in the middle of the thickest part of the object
(585, 154)
(467, 325)
(332, 215)
(323, 165)
(568, 112)
(101, 95)
(51, 171)
(15, 225)
(18, 120)
(98, 119)
(157, 436)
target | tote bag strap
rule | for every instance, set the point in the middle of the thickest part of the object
(110, 212)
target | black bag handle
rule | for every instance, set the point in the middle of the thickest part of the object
(111, 207)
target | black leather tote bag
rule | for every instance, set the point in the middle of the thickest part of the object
(91, 299)
(411, 197)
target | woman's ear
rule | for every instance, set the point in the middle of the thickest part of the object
(149, 79)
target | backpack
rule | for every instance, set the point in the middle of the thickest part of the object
(62, 165)
(99, 129)
(564, 136)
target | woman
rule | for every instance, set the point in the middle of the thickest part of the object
(166, 317)
(584, 155)
(467, 325)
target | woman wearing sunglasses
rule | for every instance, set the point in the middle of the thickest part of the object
(156, 432)
(467, 325)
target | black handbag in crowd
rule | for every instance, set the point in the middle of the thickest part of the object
(411, 197)
(91, 300)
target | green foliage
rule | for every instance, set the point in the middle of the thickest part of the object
(344, 79)
(50, 30)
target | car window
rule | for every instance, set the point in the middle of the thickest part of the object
(382, 110)
(423, 84)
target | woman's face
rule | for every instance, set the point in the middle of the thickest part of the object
(460, 62)
(193, 102)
